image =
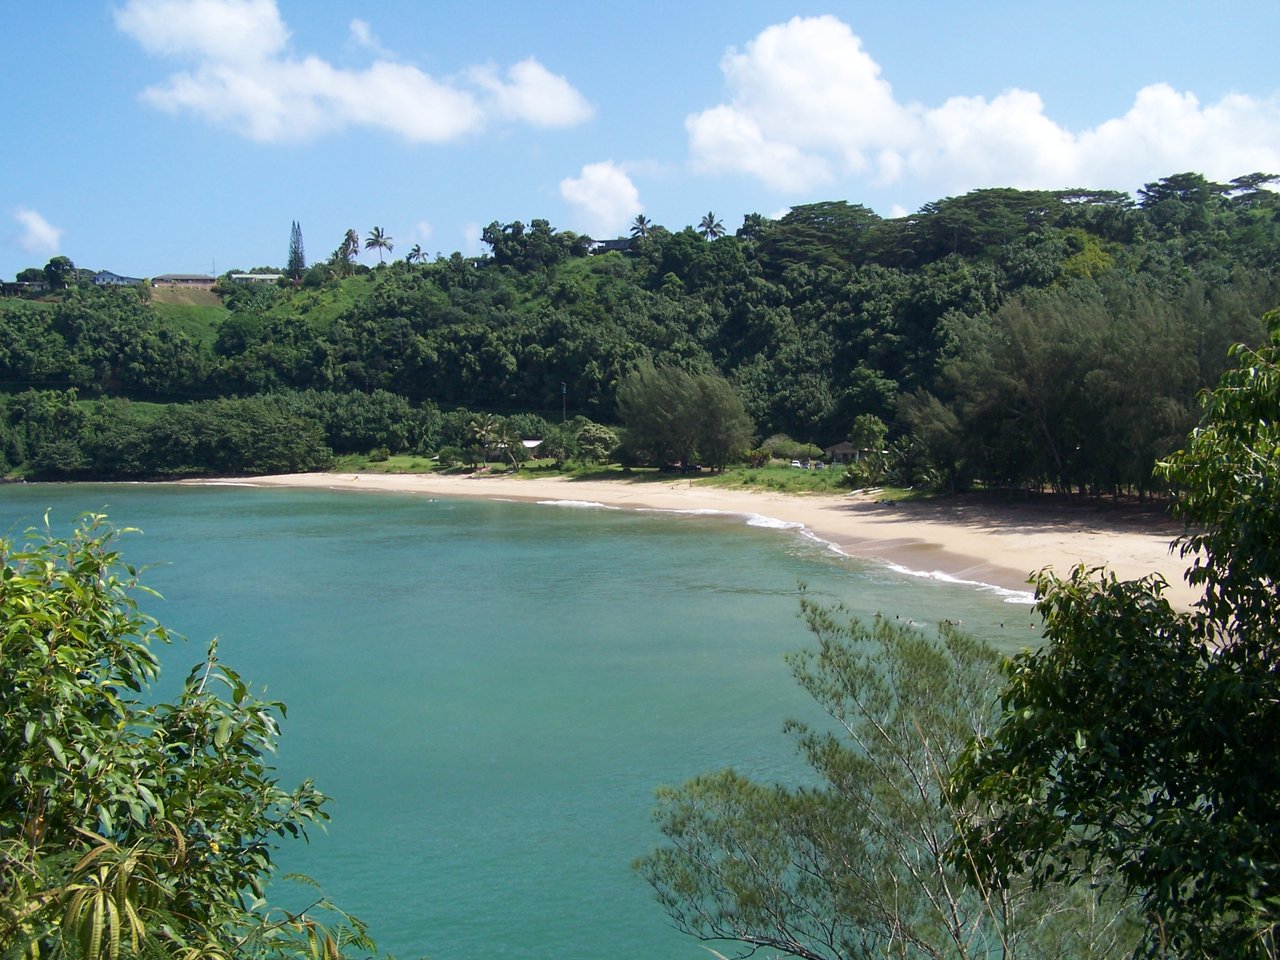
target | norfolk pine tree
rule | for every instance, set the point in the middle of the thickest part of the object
(297, 265)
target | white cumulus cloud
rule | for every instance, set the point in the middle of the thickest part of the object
(603, 197)
(38, 235)
(226, 31)
(241, 74)
(532, 93)
(807, 104)
(725, 138)
(362, 36)
(1238, 134)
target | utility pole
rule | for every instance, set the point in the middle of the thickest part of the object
(564, 400)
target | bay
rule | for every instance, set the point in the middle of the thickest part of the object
(491, 691)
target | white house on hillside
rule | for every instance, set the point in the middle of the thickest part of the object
(256, 277)
(105, 278)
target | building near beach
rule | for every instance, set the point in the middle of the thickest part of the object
(842, 452)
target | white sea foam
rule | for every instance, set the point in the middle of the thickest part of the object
(580, 504)
(1009, 596)
(751, 519)
(773, 523)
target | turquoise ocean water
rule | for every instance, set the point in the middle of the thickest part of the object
(490, 692)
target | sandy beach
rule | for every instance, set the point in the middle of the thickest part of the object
(997, 544)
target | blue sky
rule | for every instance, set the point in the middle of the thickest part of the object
(163, 136)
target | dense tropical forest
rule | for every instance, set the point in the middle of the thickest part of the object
(1004, 338)
(1115, 793)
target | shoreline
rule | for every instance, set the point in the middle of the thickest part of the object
(983, 544)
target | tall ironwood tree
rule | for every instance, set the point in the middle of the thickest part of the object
(1142, 740)
(851, 866)
(673, 416)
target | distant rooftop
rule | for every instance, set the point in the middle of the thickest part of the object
(256, 277)
(183, 278)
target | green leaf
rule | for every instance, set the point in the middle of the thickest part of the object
(53, 744)
(222, 733)
(141, 781)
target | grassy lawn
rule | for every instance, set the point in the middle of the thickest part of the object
(322, 306)
(180, 296)
(787, 479)
(144, 410)
(400, 463)
(777, 479)
(782, 479)
(200, 323)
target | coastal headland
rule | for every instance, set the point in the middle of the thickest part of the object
(983, 542)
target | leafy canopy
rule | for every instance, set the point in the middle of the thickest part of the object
(1143, 741)
(853, 865)
(129, 827)
(673, 416)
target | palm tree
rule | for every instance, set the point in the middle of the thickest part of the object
(378, 241)
(483, 428)
(509, 442)
(641, 226)
(415, 255)
(344, 258)
(710, 227)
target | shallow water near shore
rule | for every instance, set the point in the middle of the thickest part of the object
(491, 691)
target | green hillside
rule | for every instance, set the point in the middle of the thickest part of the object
(1004, 338)
(199, 322)
(185, 297)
